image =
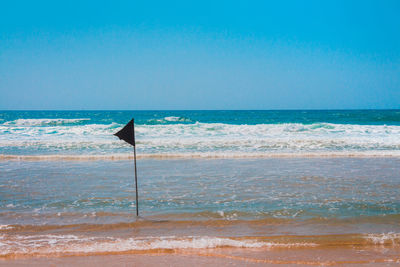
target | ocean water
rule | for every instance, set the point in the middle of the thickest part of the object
(202, 133)
(207, 179)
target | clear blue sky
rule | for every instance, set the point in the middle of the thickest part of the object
(203, 55)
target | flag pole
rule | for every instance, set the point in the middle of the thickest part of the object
(136, 183)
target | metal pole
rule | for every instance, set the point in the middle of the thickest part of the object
(136, 183)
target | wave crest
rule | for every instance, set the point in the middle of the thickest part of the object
(212, 139)
(73, 244)
(44, 122)
(169, 119)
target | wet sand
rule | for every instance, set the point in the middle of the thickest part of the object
(335, 256)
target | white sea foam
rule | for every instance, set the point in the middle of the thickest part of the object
(130, 156)
(43, 122)
(173, 118)
(169, 119)
(384, 238)
(5, 227)
(207, 138)
(45, 244)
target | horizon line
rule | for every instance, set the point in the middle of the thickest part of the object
(328, 109)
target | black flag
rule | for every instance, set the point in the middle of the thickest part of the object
(127, 133)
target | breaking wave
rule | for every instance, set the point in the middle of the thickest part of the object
(22, 137)
(384, 238)
(44, 122)
(71, 244)
(169, 120)
(17, 245)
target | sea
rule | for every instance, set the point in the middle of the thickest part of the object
(279, 179)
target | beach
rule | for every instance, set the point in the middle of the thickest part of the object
(226, 257)
(200, 133)
(214, 189)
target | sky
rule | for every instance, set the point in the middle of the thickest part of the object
(172, 55)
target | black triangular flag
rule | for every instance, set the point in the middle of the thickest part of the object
(127, 133)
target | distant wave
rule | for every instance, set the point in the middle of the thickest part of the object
(168, 119)
(173, 118)
(44, 122)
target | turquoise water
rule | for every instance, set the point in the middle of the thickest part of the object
(68, 192)
(205, 133)
(362, 117)
(228, 183)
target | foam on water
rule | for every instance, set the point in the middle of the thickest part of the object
(384, 238)
(169, 119)
(211, 138)
(72, 244)
(173, 118)
(5, 227)
(44, 122)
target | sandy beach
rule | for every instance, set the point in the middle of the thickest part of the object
(328, 256)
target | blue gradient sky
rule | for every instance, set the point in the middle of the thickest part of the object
(204, 55)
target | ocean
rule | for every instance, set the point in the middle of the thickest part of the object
(254, 180)
(202, 133)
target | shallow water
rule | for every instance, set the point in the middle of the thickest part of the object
(78, 206)
(221, 188)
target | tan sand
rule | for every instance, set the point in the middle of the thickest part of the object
(335, 256)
